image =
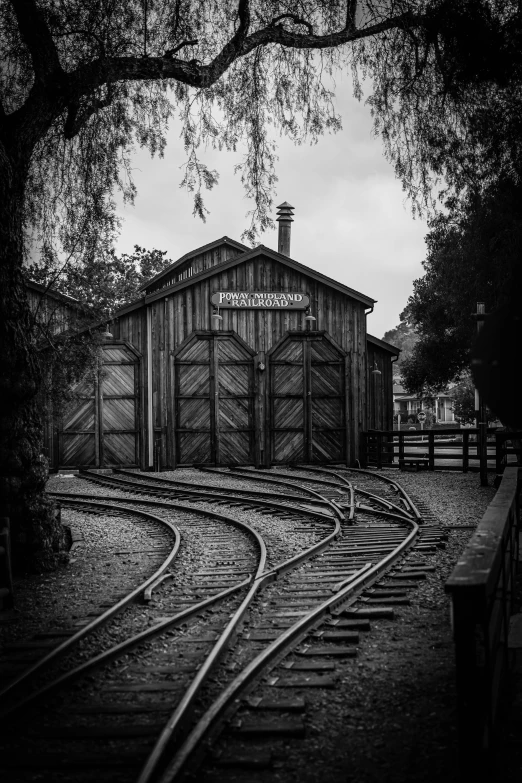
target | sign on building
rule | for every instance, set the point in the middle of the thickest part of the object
(263, 299)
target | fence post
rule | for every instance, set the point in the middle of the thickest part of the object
(483, 452)
(499, 452)
(465, 451)
(431, 450)
(401, 449)
(379, 450)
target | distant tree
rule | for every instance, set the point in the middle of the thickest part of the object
(474, 255)
(405, 338)
(103, 282)
(463, 394)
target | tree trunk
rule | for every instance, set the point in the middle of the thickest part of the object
(38, 538)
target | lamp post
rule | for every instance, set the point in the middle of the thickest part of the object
(480, 413)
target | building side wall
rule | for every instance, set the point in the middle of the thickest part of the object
(379, 389)
(175, 317)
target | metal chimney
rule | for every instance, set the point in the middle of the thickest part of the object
(285, 219)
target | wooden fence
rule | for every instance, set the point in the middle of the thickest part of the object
(437, 448)
(481, 589)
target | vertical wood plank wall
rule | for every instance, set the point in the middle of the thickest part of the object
(175, 316)
(380, 389)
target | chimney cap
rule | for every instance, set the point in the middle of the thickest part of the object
(285, 212)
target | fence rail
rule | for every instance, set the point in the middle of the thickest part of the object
(481, 589)
(394, 448)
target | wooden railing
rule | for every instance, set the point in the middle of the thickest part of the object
(433, 448)
(481, 589)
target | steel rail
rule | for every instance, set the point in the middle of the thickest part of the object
(202, 494)
(262, 476)
(388, 480)
(179, 715)
(383, 502)
(178, 619)
(362, 579)
(180, 483)
(109, 613)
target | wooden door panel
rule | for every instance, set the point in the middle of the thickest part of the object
(235, 447)
(117, 353)
(288, 446)
(290, 351)
(198, 351)
(328, 445)
(321, 350)
(79, 416)
(194, 414)
(288, 413)
(194, 447)
(194, 381)
(327, 412)
(119, 415)
(234, 401)
(229, 349)
(327, 379)
(235, 379)
(119, 448)
(76, 450)
(288, 379)
(118, 379)
(307, 400)
(234, 413)
(215, 394)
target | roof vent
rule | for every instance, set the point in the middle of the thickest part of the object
(285, 220)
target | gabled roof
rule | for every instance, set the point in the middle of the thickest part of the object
(52, 294)
(203, 249)
(247, 256)
(382, 344)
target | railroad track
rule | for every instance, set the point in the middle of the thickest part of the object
(294, 616)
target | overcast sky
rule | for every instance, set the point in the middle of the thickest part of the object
(352, 220)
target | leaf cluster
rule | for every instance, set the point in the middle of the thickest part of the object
(104, 282)
(474, 255)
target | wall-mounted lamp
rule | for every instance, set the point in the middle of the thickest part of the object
(106, 334)
(216, 317)
(376, 370)
(309, 319)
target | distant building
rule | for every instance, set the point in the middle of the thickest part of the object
(408, 405)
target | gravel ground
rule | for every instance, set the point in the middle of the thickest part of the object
(392, 718)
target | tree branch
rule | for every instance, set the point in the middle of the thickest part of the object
(351, 10)
(295, 19)
(38, 39)
(172, 52)
(114, 69)
(75, 119)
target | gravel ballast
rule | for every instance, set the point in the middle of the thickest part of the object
(392, 716)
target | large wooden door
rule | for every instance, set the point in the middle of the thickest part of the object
(118, 392)
(214, 400)
(99, 427)
(307, 399)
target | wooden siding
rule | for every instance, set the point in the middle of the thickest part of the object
(54, 311)
(209, 257)
(379, 389)
(180, 313)
(102, 425)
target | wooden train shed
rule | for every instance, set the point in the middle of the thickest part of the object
(232, 355)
